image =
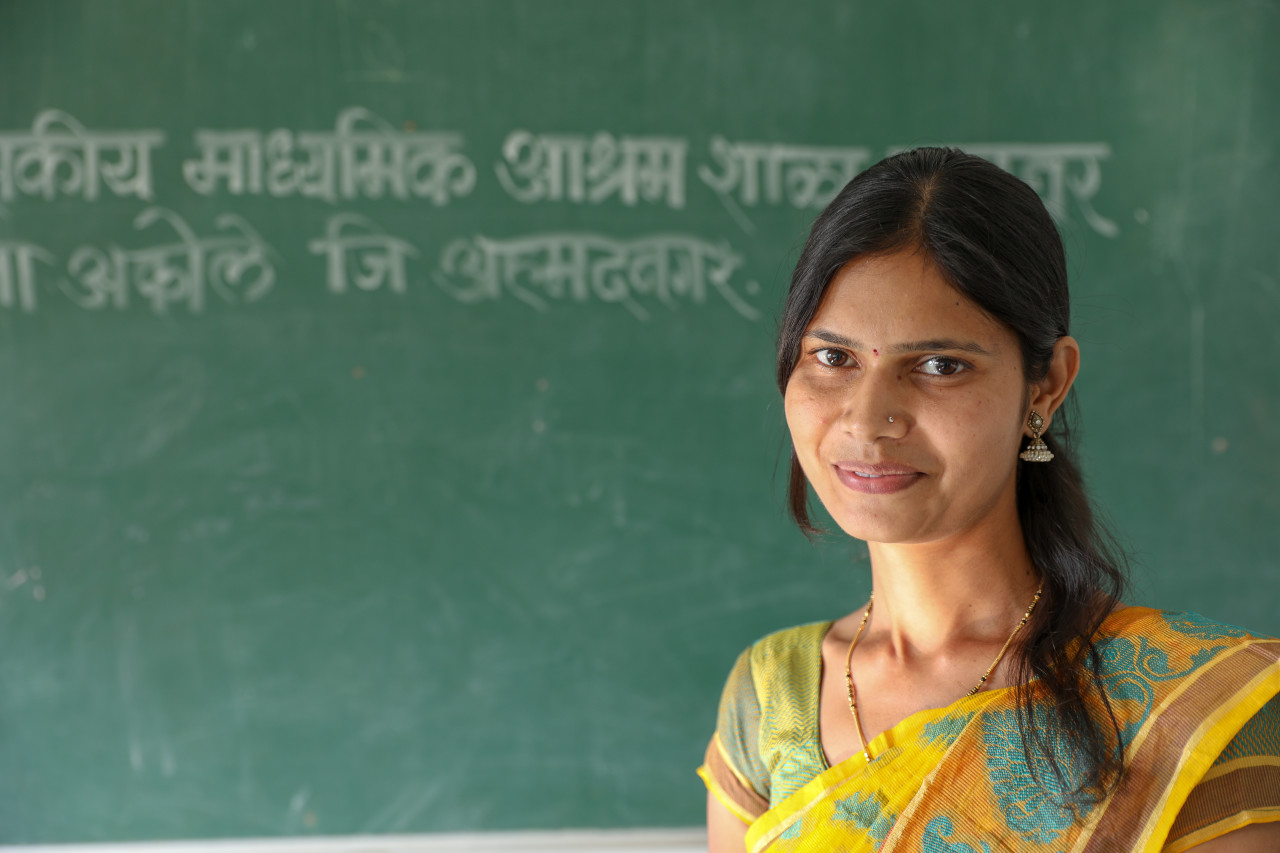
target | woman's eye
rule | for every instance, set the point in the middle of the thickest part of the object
(832, 358)
(940, 365)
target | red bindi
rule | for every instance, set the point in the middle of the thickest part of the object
(875, 352)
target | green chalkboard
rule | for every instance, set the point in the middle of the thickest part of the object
(389, 441)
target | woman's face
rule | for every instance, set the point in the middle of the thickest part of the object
(891, 339)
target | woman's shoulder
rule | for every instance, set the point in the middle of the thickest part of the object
(788, 641)
(782, 643)
(1144, 653)
(787, 662)
(1176, 626)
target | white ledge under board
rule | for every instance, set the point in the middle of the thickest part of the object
(569, 840)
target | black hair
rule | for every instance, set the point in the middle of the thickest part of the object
(989, 235)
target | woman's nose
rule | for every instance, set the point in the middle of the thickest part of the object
(876, 407)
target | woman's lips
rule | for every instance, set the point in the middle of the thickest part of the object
(876, 479)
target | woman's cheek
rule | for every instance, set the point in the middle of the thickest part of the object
(807, 419)
(804, 423)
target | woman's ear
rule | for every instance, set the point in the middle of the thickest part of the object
(1047, 394)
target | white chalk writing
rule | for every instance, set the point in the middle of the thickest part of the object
(581, 267)
(593, 169)
(380, 257)
(237, 267)
(803, 176)
(364, 157)
(59, 157)
(18, 274)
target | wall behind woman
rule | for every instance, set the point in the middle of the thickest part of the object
(390, 440)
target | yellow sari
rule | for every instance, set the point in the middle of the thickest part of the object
(1198, 710)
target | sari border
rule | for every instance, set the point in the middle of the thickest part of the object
(707, 773)
(1239, 820)
(1241, 764)
(1228, 717)
(1221, 725)
(714, 789)
(724, 757)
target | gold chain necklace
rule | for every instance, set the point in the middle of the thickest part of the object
(848, 663)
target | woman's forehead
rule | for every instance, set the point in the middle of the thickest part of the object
(901, 297)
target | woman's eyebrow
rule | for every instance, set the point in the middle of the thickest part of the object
(940, 344)
(833, 338)
(933, 344)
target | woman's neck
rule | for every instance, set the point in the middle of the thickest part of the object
(930, 596)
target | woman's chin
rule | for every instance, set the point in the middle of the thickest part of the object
(881, 530)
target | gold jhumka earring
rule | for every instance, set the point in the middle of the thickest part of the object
(1037, 450)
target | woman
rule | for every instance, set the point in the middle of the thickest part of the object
(994, 694)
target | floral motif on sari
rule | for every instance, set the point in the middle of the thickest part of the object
(867, 812)
(944, 731)
(1034, 799)
(1195, 625)
(939, 838)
